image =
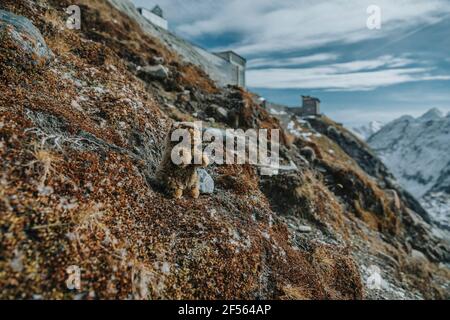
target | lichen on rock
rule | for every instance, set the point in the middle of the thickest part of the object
(24, 36)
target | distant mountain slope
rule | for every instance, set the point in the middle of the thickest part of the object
(417, 151)
(368, 130)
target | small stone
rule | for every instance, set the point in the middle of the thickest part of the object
(222, 112)
(158, 60)
(333, 132)
(45, 190)
(206, 182)
(74, 104)
(418, 255)
(304, 229)
(165, 268)
(17, 262)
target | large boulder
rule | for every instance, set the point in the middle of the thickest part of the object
(150, 73)
(17, 34)
(367, 160)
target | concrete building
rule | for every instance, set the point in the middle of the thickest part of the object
(310, 107)
(225, 68)
(155, 16)
(239, 63)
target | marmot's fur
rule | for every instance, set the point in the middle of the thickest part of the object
(181, 179)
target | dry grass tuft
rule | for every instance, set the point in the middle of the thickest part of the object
(45, 162)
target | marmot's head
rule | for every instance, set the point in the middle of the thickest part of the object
(185, 142)
(183, 132)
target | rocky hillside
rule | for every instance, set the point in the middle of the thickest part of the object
(83, 118)
(417, 152)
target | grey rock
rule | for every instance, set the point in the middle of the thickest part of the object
(158, 60)
(196, 95)
(220, 113)
(206, 182)
(418, 255)
(308, 153)
(17, 262)
(158, 72)
(292, 226)
(184, 96)
(304, 229)
(25, 35)
(393, 196)
(332, 131)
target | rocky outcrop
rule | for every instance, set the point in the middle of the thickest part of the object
(150, 73)
(355, 148)
(366, 159)
(22, 42)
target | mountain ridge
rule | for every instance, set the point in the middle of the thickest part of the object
(364, 132)
(416, 151)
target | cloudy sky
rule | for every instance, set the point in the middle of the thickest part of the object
(325, 49)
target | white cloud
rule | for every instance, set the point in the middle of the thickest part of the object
(361, 116)
(292, 61)
(356, 117)
(267, 26)
(267, 30)
(348, 76)
(431, 98)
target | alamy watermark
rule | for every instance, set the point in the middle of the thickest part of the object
(259, 147)
(374, 281)
(73, 22)
(373, 22)
(374, 19)
(73, 281)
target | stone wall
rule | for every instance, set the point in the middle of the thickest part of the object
(155, 19)
(219, 70)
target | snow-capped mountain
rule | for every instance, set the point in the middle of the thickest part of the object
(366, 131)
(417, 151)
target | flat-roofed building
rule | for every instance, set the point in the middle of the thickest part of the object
(239, 63)
(155, 16)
